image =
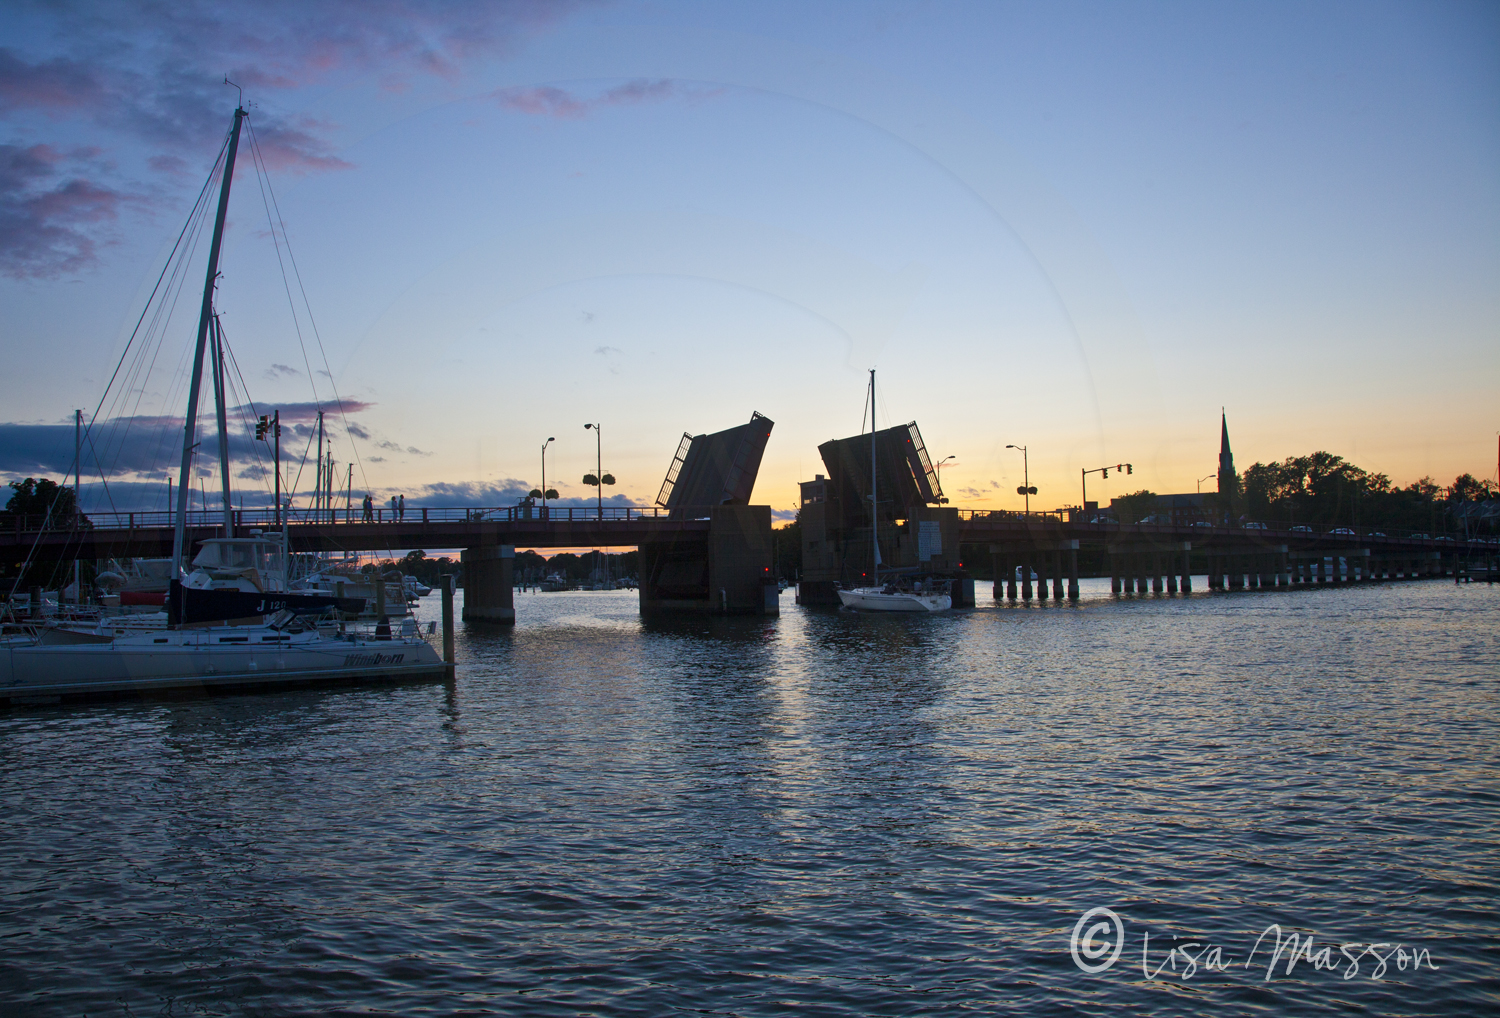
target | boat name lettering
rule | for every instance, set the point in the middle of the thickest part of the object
(355, 660)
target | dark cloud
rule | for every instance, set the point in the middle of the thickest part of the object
(410, 450)
(153, 73)
(279, 371)
(295, 412)
(125, 446)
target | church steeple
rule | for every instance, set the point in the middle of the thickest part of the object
(1226, 456)
(1229, 482)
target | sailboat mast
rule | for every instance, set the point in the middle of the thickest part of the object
(318, 498)
(205, 317)
(874, 512)
(218, 367)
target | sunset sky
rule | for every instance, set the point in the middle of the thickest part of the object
(1083, 228)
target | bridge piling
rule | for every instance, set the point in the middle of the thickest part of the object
(489, 584)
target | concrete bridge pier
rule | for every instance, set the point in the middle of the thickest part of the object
(1025, 577)
(1187, 568)
(1156, 584)
(998, 562)
(489, 584)
(728, 574)
(1057, 576)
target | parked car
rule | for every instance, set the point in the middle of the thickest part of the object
(1202, 523)
(1376, 533)
(1301, 529)
(1342, 530)
(1158, 519)
(1419, 537)
(1252, 525)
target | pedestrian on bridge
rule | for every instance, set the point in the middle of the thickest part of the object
(400, 507)
(369, 506)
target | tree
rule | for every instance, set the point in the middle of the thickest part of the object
(1467, 487)
(788, 544)
(47, 503)
(1134, 507)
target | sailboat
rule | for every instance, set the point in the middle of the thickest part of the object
(278, 647)
(889, 597)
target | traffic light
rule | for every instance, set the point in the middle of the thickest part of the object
(1129, 469)
(261, 427)
(1021, 489)
(1106, 473)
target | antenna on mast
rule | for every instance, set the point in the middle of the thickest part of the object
(237, 88)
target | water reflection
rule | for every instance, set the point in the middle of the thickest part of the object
(825, 811)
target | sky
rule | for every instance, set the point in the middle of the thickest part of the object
(462, 229)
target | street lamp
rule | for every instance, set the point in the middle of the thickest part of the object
(544, 475)
(600, 478)
(945, 459)
(1025, 489)
(1204, 478)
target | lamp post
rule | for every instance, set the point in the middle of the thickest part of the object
(598, 463)
(1026, 488)
(1204, 478)
(544, 475)
(941, 498)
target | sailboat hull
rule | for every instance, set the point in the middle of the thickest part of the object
(875, 599)
(219, 658)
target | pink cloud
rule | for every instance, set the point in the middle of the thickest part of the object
(44, 221)
(549, 101)
(131, 67)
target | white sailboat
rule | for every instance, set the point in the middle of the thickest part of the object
(47, 664)
(888, 597)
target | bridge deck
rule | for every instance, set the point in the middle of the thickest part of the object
(148, 534)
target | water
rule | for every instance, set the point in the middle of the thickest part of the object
(823, 813)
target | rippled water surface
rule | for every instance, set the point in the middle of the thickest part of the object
(825, 813)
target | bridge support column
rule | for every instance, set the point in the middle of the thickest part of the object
(489, 584)
(1010, 577)
(1156, 585)
(1041, 575)
(998, 562)
(1114, 573)
(1187, 569)
(1073, 574)
(1026, 576)
(1057, 578)
(727, 574)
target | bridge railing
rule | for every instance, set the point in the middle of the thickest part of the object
(1249, 529)
(265, 518)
